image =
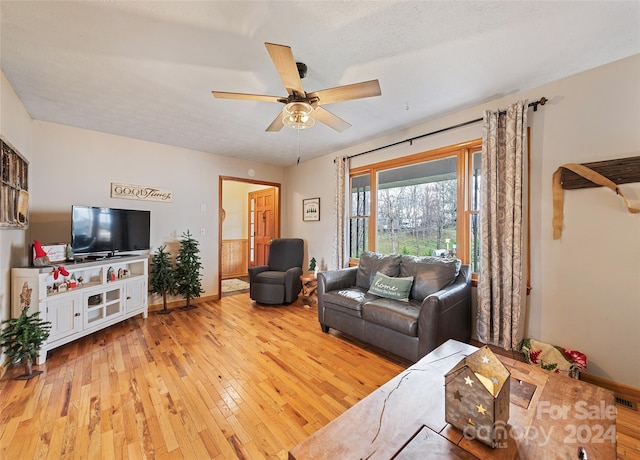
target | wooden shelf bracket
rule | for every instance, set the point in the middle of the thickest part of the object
(609, 173)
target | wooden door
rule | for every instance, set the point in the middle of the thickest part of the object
(262, 224)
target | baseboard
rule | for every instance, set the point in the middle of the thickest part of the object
(626, 395)
(230, 276)
(182, 302)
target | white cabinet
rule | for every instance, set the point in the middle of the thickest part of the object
(102, 305)
(136, 296)
(92, 296)
(65, 314)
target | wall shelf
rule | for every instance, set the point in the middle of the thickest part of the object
(14, 185)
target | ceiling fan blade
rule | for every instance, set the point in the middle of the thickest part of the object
(246, 97)
(329, 119)
(276, 124)
(344, 93)
(282, 58)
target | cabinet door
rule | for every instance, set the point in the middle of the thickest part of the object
(65, 316)
(135, 294)
(102, 305)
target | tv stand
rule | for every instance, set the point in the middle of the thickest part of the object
(94, 295)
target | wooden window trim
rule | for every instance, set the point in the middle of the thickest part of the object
(464, 152)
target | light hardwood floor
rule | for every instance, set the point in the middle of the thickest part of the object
(227, 380)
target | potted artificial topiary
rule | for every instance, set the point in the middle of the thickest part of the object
(162, 277)
(22, 338)
(188, 270)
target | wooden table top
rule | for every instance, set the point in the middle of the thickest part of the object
(407, 414)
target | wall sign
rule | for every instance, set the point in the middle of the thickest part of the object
(311, 209)
(141, 192)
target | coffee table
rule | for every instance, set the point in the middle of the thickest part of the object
(551, 416)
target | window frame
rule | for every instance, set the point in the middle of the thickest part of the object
(464, 159)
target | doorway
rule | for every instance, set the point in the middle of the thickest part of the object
(249, 218)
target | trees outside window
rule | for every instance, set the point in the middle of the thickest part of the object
(423, 204)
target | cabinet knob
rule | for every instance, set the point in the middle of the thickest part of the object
(128, 297)
(77, 314)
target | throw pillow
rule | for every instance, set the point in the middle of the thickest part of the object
(372, 262)
(390, 287)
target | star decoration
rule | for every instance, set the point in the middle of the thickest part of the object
(485, 359)
(481, 409)
(470, 422)
(468, 381)
(457, 396)
(495, 380)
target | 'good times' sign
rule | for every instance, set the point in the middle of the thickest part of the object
(140, 192)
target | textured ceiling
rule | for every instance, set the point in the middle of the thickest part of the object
(146, 69)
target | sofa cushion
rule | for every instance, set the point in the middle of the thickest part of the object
(270, 277)
(371, 263)
(430, 274)
(399, 316)
(348, 300)
(391, 287)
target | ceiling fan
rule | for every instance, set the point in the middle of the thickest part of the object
(300, 105)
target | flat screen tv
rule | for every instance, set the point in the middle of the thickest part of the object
(105, 231)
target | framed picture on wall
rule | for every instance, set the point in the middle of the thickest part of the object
(311, 209)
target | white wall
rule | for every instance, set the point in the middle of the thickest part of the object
(15, 127)
(77, 166)
(589, 280)
(312, 179)
(236, 205)
(586, 286)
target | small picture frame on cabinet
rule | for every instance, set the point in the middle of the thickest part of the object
(311, 209)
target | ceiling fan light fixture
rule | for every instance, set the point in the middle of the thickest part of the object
(297, 115)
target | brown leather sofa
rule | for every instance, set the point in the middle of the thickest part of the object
(438, 309)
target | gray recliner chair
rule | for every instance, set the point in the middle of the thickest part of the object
(278, 282)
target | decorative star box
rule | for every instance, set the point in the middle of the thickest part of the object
(477, 397)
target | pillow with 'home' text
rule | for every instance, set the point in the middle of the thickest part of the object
(391, 287)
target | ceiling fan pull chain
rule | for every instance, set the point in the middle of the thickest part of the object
(298, 147)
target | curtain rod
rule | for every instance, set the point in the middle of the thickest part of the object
(541, 101)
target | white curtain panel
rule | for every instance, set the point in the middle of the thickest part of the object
(340, 209)
(502, 278)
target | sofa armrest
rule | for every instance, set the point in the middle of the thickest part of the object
(332, 281)
(446, 314)
(253, 271)
(336, 279)
(293, 284)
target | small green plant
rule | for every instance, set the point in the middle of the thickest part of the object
(22, 338)
(163, 279)
(188, 270)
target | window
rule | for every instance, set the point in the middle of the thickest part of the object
(360, 213)
(423, 204)
(474, 212)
